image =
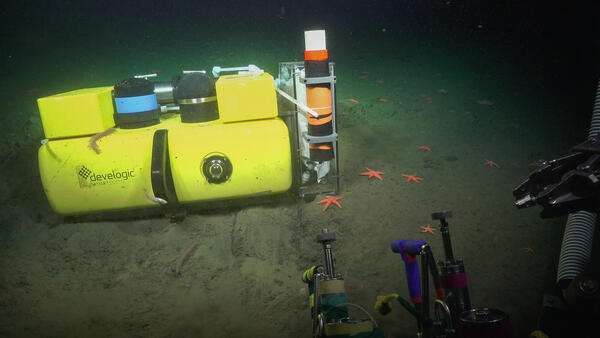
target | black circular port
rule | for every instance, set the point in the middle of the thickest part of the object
(196, 96)
(217, 169)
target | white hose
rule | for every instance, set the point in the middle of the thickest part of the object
(360, 308)
(294, 101)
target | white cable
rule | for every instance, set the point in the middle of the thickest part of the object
(294, 101)
(360, 308)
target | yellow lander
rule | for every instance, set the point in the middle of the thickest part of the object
(245, 152)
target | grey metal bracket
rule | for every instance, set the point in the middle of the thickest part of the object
(333, 137)
(317, 80)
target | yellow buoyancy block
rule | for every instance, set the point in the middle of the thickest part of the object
(78, 112)
(243, 97)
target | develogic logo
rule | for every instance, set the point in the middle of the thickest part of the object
(90, 178)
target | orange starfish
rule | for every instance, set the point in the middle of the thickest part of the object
(491, 164)
(426, 148)
(529, 250)
(330, 199)
(372, 173)
(412, 178)
(428, 229)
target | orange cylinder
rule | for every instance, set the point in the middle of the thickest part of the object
(318, 98)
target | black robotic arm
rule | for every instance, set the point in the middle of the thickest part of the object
(566, 184)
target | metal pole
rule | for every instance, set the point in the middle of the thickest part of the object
(425, 284)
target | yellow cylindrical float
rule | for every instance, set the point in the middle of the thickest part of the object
(78, 180)
(257, 153)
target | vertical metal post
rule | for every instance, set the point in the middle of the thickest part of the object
(445, 231)
(425, 284)
(325, 238)
(446, 239)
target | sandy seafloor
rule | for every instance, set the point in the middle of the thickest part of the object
(113, 278)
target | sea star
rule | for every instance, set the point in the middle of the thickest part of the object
(372, 173)
(529, 250)
(428, 229)
(412, 178)
(330, 199)
(491, 164)
(426, 148)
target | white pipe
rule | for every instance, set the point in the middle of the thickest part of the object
(294, 101)
(145, 76)
(248, 69)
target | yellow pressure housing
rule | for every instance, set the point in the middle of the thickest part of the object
(253, 142)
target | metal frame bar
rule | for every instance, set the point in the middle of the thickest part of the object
(333, 137)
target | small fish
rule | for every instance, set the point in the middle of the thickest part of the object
(352, 100)
(154, 198)
(485, 102)
(491, 164)
(426, 148)
(364, 72)
(381, 99)
(364, 77)
(442, 91)
(379, 81)
(33, 91)
(427, 98)
(186, 257)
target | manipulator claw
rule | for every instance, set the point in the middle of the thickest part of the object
(566, 184)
